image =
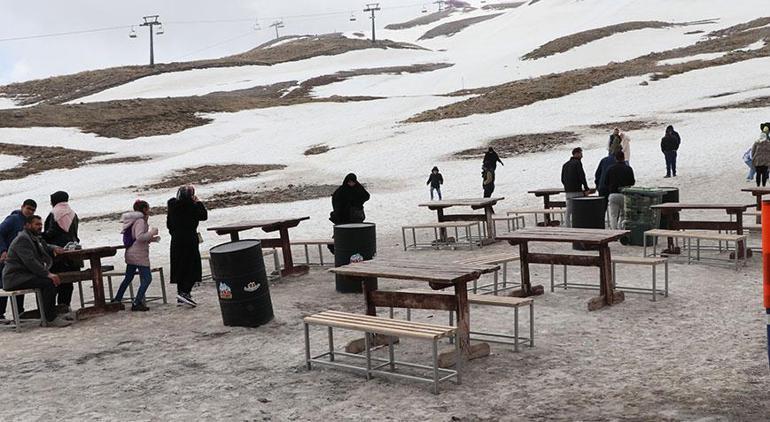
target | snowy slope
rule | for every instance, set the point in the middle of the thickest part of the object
(395, 158)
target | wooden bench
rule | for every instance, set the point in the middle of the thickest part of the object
(265, 252)
(11, 295)
(320, 243)
(688, 236)
(626, 260)
(550, 212)
(512, 222)
(492, 259)
(495, 301)
(372, 325)
(111, 274)
(441, 240)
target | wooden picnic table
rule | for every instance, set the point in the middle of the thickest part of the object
(487, 204)
(758, 193)
(548, 204)
(94, 257)
(596, 238)
(439, 275)
(282, 226)
(673, 209)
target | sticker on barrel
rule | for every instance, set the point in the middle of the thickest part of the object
(224, 291)
(251, 287)
(356, 258)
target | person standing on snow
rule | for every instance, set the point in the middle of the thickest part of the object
(491, 159)
(185, 212)
(435, 180)
(614, 145)
(625, 146)
(747, 159)
(669, 144)
(760, 155)
(573, 177)
(488, 182)
(619, 176)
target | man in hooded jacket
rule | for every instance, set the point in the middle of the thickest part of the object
(669, 145)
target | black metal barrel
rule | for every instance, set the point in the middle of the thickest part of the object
(238, 270)
(351, 243)
(588, 213)
(670, 195)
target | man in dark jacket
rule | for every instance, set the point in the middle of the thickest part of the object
(28, 267)
(491, 159)
(670, 145)
(9, 229)
(573, 177)
(619, 176)
(348, 202)
(600, 177)
(616, 142)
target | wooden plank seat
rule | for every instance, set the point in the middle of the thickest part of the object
(371, 326)
(496, 301)
(320, 243)
(740, 241)
(440, 237)
(265, 252)
(501, 258)
(652, 262)
(121, 274)
(11, 295)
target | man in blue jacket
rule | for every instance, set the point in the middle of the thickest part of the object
(9, 229)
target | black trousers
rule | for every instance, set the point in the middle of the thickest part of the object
(48, 292)
(488, 189)
(64, 293)
(761, 175)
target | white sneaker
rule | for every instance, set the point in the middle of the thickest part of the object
(59, 322)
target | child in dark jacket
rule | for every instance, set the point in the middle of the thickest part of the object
(435, 180)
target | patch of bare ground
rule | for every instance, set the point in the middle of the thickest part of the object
(695, 32)
(521, 144)
(290, 193)
(758, 102)
(121, 160)
(39, 159)
(130, 119)
(626, 125)
(61, 89)
(205, 175)
(307, 86)
(317, 149)
(566, 43)
(756, 23)
(422, 20)
(502, 6)
(451, 28)
(520, 93)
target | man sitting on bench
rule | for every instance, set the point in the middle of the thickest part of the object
(27, 267)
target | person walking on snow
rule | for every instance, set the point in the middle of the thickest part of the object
(573, 178)
(669, 144)
(137, 236)
(491, 159)
(435, 180)
(488, 182)
(760, 155)
(619, 176)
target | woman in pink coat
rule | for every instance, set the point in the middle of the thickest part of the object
(137, 237)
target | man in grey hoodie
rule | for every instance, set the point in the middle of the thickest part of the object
(28, 267)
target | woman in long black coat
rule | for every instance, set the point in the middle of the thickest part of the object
(185, 211)
(348, 202)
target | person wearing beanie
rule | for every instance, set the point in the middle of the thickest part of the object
(435, 180)
(61, 229)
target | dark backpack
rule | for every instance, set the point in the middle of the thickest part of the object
(128, 236)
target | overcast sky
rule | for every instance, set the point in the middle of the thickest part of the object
(36, 58)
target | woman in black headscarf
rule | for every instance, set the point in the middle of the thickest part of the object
(61, 228)
(185, 211)
(348, 202)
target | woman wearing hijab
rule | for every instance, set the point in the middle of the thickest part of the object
(348, 202)
(61, 228)
(185, 211)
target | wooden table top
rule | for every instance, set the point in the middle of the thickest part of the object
(684, 206)
(236, 227)
(468, 202)
(757, 191)
(101, 252)
(547, 191)
(564, 234)
(415, 269)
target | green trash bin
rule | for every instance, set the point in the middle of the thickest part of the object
(638, 216)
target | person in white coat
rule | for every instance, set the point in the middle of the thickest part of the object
(625, 143)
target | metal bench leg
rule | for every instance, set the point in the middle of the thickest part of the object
(391, 354)
(666, 279)
(109, 286)
(505, 274)
(565, 277)
(451, 324)
(552, 277)
(277, 263)
(403, 236)
(614, 279)
(307, 347)
(367, 345)
(516, 329)
(162, 285)
(15, 312)
(495, 281)
(459, 364)
(80, 292)
(408, 314)
(435, 366)
(689, 251)
(414, 238)
(532, 324)
(697, 248)
(331, 345)
(654, 285)
(320, 255)
(307, 255)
